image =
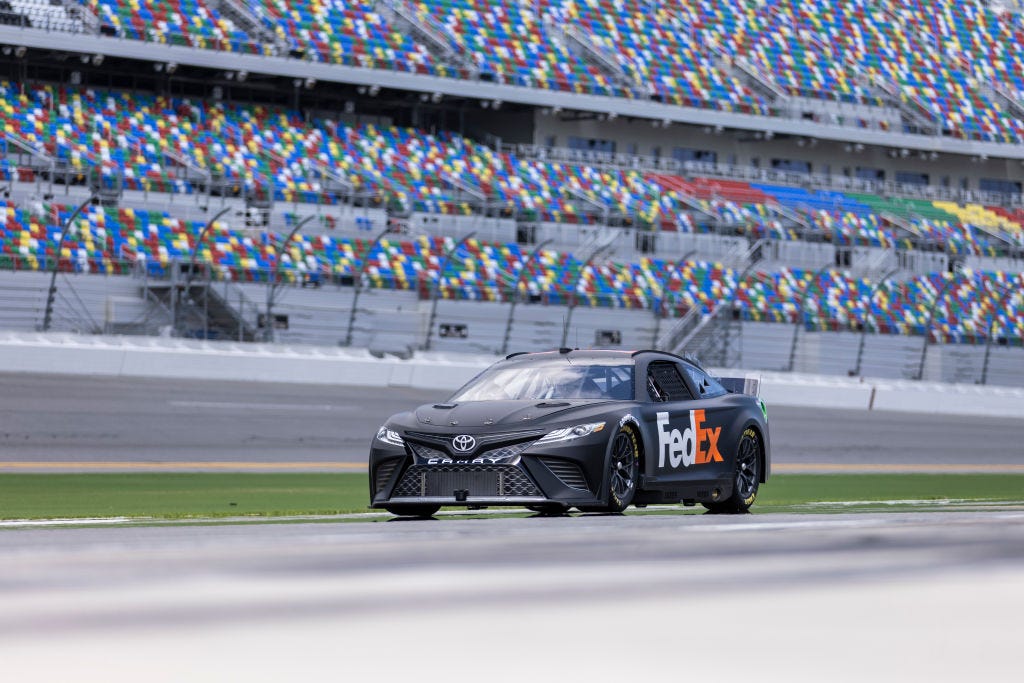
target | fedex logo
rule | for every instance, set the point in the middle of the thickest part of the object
(695, 445)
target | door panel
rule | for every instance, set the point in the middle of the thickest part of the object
(685, 435)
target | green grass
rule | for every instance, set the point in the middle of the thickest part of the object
(174, 495)
(222, 494)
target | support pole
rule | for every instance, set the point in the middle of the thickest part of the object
(1007, 290)
(573, 298)
(51, 294)
(192, 273)
(514, 293)
(800, 316)
(359, 285)
(864, 325)
(928, 325)
(273, 284)
(660, 311)
(437, 287)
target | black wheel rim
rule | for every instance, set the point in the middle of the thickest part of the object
(623, 465)
(746, 467)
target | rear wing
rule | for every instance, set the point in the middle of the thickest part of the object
(750, 385)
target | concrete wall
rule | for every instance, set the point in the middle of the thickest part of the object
(647, 138)
(179, 359)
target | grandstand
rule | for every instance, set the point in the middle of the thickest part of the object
(747, 179)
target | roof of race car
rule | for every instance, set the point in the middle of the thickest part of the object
(594, 355)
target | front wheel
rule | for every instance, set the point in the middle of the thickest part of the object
(421, 511)
(747, 476)
(623, 471)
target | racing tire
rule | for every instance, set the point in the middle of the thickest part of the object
(551, 510)
(421, 511)
(623, 472)
(746, 479)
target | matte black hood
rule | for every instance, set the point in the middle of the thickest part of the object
(524, 414)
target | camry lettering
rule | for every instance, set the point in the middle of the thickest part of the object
(475, 461)
(688, 446)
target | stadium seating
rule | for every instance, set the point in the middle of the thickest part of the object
(147, 138)
(942, 58)
(342, 32)
(195, 23)
(958, 307)
(508, 42)
(657, 47)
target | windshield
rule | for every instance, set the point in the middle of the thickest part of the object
(550, 381)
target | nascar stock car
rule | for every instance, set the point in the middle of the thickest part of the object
(592, 430)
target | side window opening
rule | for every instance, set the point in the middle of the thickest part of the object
(664, 383)
(707, 386)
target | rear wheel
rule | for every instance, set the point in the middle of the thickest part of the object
(747, 476)
(623, 472)
(422, 511)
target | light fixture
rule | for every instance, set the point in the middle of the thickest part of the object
(172, 67)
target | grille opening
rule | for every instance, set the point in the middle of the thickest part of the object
(568, 472)
(479, 480)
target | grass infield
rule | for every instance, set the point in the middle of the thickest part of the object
(225, 494)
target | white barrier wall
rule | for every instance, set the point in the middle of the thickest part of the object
(183, 359)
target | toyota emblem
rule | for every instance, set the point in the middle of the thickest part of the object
(464, 443)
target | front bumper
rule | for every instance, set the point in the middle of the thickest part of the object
(529, 480)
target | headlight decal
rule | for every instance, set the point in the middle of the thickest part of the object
(570, 433)
(390, 437)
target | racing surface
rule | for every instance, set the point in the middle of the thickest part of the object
(836, 597)
(87, 420)
(914, 596)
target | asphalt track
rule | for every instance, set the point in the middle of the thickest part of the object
(852, 597)
(82, 423)
(835, 597)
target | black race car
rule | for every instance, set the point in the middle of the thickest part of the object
(592, 430)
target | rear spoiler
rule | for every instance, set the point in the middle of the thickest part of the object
(750, 385)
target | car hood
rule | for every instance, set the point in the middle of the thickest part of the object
(486, 414)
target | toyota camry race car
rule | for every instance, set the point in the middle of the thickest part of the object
(593, 430)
